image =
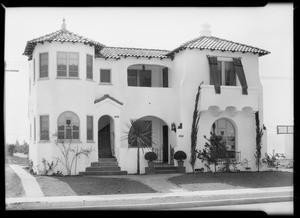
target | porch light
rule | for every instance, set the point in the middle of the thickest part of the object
(143, 68)
(173, 127)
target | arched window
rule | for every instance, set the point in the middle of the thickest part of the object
(225, 128)
(68, 126)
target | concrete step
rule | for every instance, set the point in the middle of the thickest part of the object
(109, 159)
(96, 164)
(165, 168)
(103, 168)
(102, 173)
(165, 171)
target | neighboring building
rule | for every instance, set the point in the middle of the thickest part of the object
(88, 92)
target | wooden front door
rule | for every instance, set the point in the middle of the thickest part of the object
(104, 143)
(165, 144)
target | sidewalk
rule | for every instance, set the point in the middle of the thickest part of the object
(30, 185)
(158, 200)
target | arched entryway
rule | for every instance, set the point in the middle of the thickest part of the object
(105, 137)
(159, 136)
(226, 128)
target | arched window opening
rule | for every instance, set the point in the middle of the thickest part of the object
(225, 128)
(68, 126)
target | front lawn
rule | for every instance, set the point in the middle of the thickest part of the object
(13, 184)
(218, 181)
(84, 185)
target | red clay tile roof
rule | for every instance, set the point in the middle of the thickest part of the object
(60, 36)
(214, 43)
(118, 52)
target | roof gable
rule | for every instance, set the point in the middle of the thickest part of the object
(60, 36)
(213, 43)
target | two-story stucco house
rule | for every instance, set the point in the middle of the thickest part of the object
(86, 91)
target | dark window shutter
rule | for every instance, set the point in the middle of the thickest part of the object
(165, 77)
(214, 77)
(241, 75)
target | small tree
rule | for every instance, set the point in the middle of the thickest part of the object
(194, 132)
(139, 135)
(259, 134)
(214, 149)
(70, 153)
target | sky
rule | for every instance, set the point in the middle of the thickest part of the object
(269, 28)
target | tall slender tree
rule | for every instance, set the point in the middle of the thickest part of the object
(259, 134)
(195, 128)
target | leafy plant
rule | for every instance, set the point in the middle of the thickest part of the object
(11, 149)
(195, 128)
(139, 134)
(70, 153)
(214, 149)
(271, 160)
(259, 134)
(48, 167)
(180, 155)
(151, 156)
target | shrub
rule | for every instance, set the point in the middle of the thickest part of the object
(180, 155)
(22, 149)
(150, 156)
(11, 149)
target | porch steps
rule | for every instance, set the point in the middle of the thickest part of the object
(165, 169)
(104, 166)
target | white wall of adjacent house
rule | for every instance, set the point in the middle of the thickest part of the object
(162, 105)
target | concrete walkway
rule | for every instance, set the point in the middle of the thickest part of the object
(30, 185)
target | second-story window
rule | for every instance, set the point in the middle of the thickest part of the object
(139, 78)
(226, 73)
(67, 64)
(43, 65)
(89, 66)
(105, 76)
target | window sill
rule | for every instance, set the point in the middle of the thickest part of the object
(90, 141)
(107, 84)
(43, 78)
(90, 80)
(71, 78)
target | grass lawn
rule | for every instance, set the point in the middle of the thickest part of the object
(13, 184)
(218, 181)
(84, 185)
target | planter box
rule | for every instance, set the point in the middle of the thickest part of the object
(181, 168)
(150, 169)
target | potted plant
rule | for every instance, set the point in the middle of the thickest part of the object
(180, 156)
(150, 157)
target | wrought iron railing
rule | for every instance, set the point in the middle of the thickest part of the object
(159, 153)
(231, 156)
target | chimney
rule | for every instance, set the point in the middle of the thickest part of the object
(63, 26)
(205, 31)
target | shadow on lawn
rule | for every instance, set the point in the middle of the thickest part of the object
(84, 185)
(237, 179)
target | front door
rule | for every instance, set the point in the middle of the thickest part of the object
(104, 145)
(165, 144)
